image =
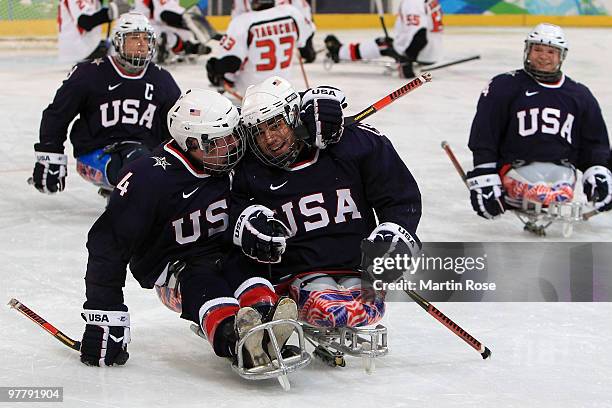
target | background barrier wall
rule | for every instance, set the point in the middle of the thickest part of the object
(37, 18)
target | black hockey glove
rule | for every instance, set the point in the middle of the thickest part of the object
(388, 240)
(321, 114)
(597, 186)
(50, 171)
(106, 337)
(486, 192)
(215, 78)
(260, 235)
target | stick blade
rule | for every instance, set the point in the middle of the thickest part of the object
(486, 353)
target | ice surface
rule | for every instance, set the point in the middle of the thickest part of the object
(544, 354)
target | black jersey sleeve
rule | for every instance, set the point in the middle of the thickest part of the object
(66, 105)
(594, 143)
(491, 120)
(124, 225)
(389, 186)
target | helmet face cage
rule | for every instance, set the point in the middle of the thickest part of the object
(289, 118)
(134, 61)
(549, 35)
(221, 154)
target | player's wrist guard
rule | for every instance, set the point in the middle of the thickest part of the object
(486, 192)
(597, 186)
(106, 336)
(260, 235)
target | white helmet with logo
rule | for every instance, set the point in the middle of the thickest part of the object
(272, 100)
(546, 34)
(129, 23)
(214, 123)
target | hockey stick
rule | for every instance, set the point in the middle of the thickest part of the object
(381, 16)
(451, 63)
(455, 162)
(452, 326)
(27, 312)
(230, 90)
(381, 103)
(303, 70)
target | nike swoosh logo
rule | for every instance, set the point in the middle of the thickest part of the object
(53, 173)
(111, 87)
(277, 187)
(527, 93)
(190, 194)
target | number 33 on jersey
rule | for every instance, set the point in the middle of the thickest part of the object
(265, 42)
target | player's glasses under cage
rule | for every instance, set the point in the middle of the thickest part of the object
(130, 48)
(274, 142)
(221, 154)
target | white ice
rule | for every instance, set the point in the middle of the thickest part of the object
(544, 354)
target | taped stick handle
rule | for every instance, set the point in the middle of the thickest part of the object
(387, 100)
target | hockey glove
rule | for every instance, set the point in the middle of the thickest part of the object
(50, 171)
(597, 185)
(388, 240)
(106, 337)
(260, 235)
(215, 78)
(117, 8)
(486, 192)
(321, 113)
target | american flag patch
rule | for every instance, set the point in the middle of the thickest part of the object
(194, 112)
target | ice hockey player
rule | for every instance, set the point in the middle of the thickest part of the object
(418, 39)
(303, 201)
(166, 218)
(533, 127)
(180, 32)
(81, 28)
(259, 44)
(122, 101)
(307, 52)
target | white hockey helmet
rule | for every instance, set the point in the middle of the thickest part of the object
(272, 100)
(209, 118)
(546, 34)
(129, 23)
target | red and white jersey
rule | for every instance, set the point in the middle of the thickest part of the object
(414, 15)
(242, 6)
(75, 43)
(265, 41)
(153, 8)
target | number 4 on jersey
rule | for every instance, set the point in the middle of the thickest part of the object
(123, 184)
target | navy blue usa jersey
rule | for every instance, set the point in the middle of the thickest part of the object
(519, 118)
(113, 106)
(163, 209)
(329, 202)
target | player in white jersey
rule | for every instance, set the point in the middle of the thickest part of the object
(418, 38)
(259, 44)
(308, 52)
(180, 31)
(81, 24)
